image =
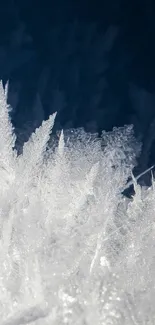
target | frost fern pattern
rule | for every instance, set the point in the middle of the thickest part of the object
(73, 250)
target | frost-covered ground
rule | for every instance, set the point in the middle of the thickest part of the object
(73, 249)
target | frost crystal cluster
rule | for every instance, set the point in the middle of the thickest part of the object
(73, 249)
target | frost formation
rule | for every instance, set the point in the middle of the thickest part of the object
(73, 249)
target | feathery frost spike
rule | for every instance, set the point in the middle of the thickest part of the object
(6, 90)
(86, 189)
(7, 136)
(34, 148)
(7, 143)
(61, 144)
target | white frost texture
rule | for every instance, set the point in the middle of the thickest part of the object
(73, 249)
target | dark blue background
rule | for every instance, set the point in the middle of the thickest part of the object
(92, 61)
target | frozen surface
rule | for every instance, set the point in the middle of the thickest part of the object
(73, 250)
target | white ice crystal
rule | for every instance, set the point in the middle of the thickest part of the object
(73, 250)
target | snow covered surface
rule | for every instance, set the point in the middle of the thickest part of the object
(73, 249)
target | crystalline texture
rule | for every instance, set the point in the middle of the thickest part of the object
(73, 250)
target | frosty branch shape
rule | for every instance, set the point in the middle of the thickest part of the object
(72, 249)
